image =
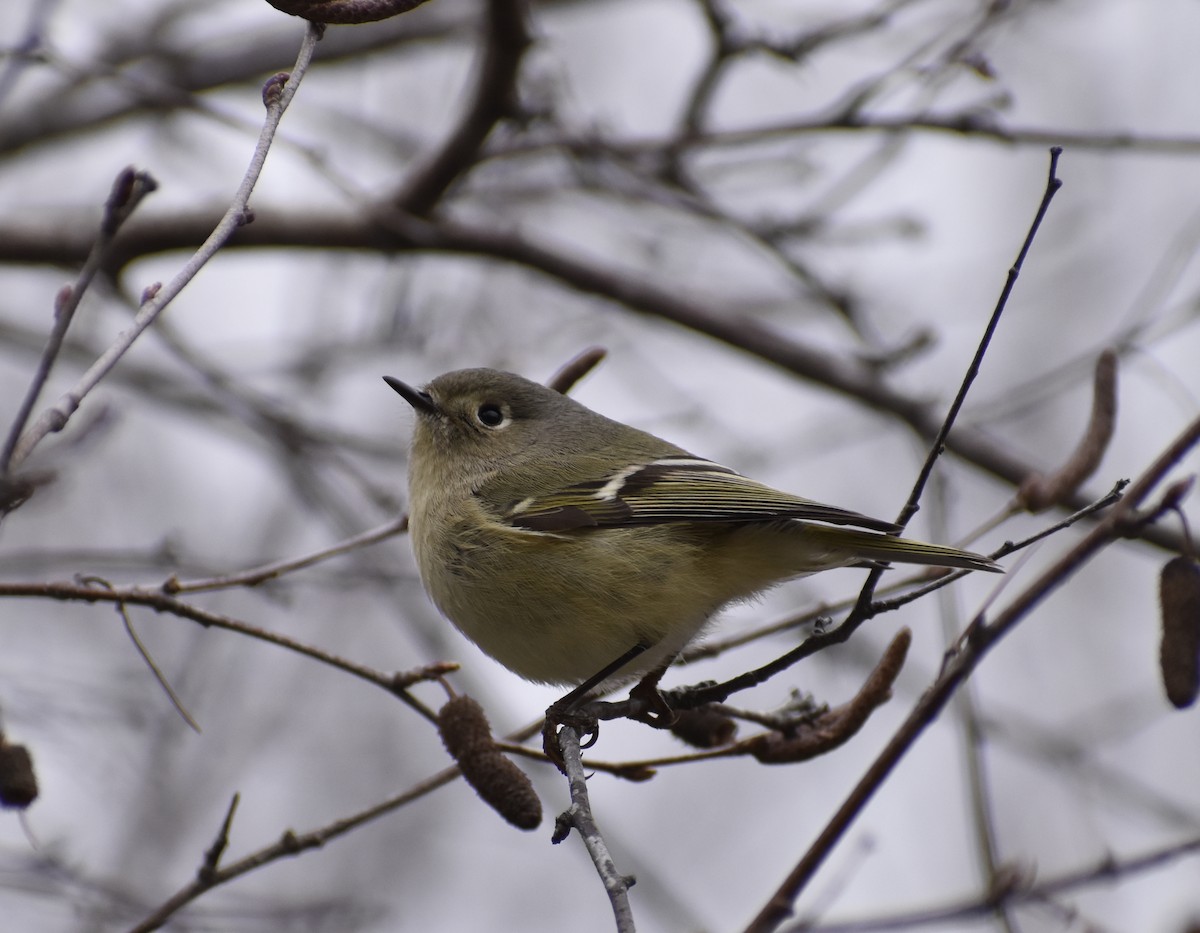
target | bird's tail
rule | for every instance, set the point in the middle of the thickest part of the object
(870, 547)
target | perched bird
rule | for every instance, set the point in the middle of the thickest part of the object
(575, 549)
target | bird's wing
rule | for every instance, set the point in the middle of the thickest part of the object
(672, 490)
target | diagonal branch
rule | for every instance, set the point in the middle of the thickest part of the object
(128, 190)
(506, 37)
(980, 637)
(277, 99)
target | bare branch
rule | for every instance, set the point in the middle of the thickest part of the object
(579, 817)
(128, 190)
(981, 637)
(212, 858)
(289, 845)
(505, 38)
(395, 684)
(258, 575)
(1053, 183)
(56, 417)
(1021, 888)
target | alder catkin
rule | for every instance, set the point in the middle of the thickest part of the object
(1179, 652)
(345, 12)
(703, 728)
(1037, 492)
(18, 783)
(503, 786)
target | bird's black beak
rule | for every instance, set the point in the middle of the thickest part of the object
(419, 400)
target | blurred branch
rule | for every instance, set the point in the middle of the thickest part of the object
(290, 844)
(1040, 492)
(575, 369)
(396, 683)
(1019, 888)
(277, 97)
(968, 123)
(149, 72)
(845, 375)
(980, 637)
(25, 51)
(505, 39)
(128, 190)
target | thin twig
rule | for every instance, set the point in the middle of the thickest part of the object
(129, 188)
(289, 844)
(57, 416)
(862, 609)
(1053, 183)
(579, 817)
(1112, 497)
(141, 649)
(154, 669)
(212, 857)
(396, 684)
(265, 572)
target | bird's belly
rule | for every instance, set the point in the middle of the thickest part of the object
(558, 609)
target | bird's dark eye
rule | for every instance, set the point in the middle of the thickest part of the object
(490, 415)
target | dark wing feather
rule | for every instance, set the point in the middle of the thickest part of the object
(674, 490)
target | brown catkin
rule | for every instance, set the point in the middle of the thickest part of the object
(837, 725)
(1179, 652)
(18, 783)
(704, 727)
(503, 786)
(1038, 492)
(335, 12)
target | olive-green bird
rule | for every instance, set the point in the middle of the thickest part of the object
(566, 544)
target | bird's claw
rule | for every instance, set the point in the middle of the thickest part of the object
(582, 720)
(648, 705)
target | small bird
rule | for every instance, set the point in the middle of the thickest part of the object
(577, 550)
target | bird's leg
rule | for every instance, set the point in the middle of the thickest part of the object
(569, 712)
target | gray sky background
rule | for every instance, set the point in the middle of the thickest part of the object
(1084, 758)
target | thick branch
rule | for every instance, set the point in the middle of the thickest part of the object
(59, 243)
